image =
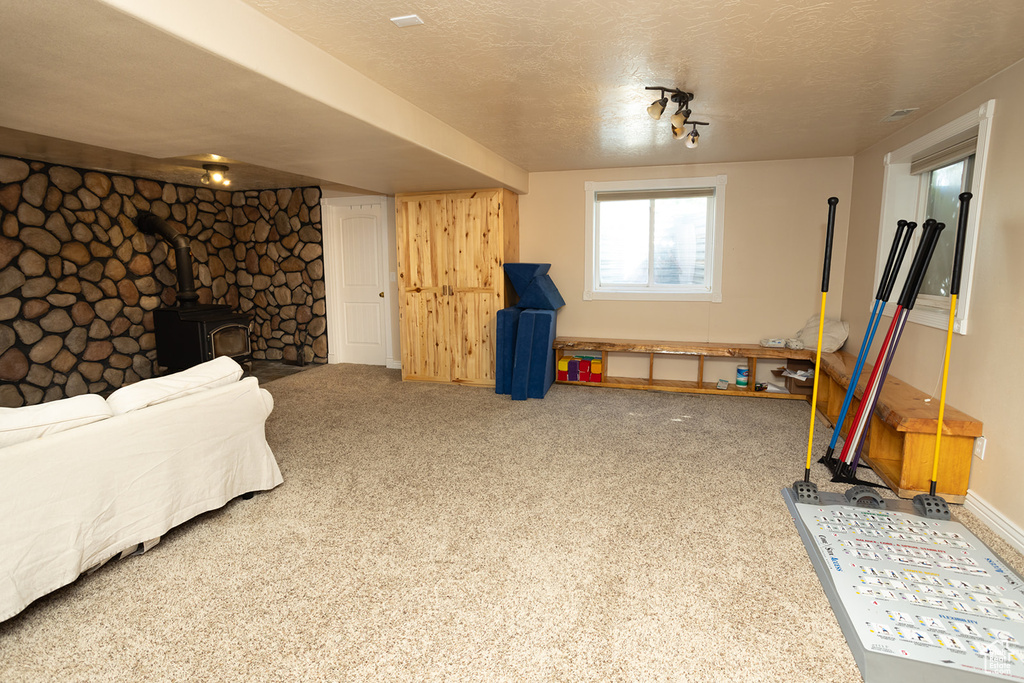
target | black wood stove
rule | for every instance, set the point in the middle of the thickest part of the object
(189, 336)
(191, 333)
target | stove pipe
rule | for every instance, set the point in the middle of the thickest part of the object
(154, 225)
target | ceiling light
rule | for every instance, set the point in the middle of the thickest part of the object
(681, 117)
(657, 106)
(216, 174)
(692, 138)
(407, 20)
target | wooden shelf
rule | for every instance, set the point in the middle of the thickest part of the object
(698, 350)
(714, 349)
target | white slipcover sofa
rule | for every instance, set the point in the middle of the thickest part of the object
(85, 479)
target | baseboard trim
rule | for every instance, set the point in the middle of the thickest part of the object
(995, 520)
(388, 363)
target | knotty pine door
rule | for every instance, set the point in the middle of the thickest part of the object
(451, 248)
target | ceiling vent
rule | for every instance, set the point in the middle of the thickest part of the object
(899, 114)
(408, 20)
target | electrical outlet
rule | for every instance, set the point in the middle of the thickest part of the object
(979, 448)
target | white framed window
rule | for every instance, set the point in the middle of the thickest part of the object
(924, 180)
(655, 240)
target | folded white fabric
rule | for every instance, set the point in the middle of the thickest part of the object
(214, 373)
(833, 334)
(32, 422)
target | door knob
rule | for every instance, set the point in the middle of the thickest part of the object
(381, 295)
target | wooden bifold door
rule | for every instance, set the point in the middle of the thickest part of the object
(451, 249)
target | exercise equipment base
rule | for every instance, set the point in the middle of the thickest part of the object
(916, 598)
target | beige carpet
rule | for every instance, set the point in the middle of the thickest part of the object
(442, 533)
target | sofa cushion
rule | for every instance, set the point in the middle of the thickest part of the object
(148, 392)
(32, 422)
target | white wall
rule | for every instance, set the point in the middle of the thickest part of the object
(775, 217)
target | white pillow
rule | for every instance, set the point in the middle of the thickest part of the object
(32, 422)
(833, 334)
(213, 373)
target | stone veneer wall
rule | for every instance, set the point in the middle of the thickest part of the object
(78, 281)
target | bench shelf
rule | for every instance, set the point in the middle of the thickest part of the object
(699, 350)
(901, 440)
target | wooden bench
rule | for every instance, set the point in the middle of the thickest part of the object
(699, 350)
(900, 444)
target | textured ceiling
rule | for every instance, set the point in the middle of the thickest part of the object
(480, 93)
(559, 85)
(153, 88)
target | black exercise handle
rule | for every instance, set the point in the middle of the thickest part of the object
(961, 238)
(916, 272)
(894, 275)
(832, 201)
(900, 225)
(926, 259)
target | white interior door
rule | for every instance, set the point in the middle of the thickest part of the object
(354, 246)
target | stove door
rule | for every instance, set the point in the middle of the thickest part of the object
(230, 340)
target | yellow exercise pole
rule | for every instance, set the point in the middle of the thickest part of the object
(954, 291)
(942, 394)
(814, 392)
(832, 201)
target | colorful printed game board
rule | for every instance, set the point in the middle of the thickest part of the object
(915, 597)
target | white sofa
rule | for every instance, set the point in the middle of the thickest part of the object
(85, 479)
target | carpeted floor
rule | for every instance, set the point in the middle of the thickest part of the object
(440, 533)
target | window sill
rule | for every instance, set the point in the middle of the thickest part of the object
(937, 318)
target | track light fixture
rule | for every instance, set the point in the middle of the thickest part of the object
(681, 117)
(216, 174)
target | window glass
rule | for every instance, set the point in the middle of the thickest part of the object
(944, 187)
(680, 232)
(625, 237)
(655, 240)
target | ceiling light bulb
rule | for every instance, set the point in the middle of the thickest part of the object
(216, 174)
(677, 132)
(680, 117)
(691, 139)
(657, 107)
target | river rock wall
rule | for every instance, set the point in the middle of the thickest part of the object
(78, 281)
